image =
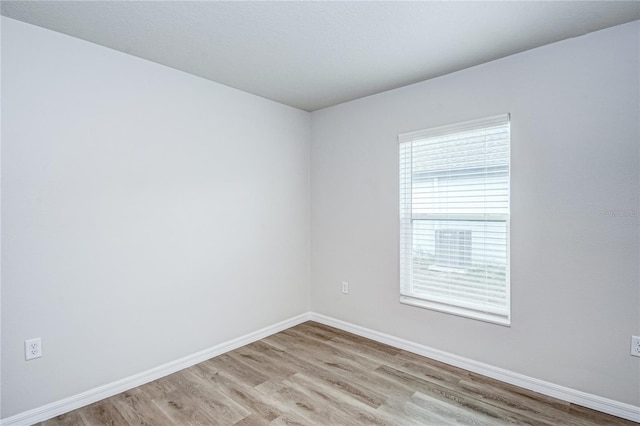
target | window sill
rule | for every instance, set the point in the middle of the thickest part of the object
(454, 310)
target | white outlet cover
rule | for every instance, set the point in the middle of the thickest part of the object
(32, 348)
(635, 345)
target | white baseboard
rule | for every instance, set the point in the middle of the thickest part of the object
(609, 406)
(626, 411)
(94, 395)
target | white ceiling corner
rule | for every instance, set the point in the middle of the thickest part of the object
(314, 54)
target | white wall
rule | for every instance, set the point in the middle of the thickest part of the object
(575, 274)
(146, 214)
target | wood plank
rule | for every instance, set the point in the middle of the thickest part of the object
(208, 397)
(257, 404)
(350, 408)
(102, 413)
(137, 409)
(72, 418)
(456, 400)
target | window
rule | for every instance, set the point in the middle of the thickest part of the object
(454, 219)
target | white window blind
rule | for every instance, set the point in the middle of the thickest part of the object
(454, 218)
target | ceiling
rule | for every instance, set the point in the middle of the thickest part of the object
(315, 54)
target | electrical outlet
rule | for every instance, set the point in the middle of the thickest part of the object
(635, 345)
(345, 287)
(32, 348)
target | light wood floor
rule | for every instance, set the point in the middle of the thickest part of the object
(312, 374)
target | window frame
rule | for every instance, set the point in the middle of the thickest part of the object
(406, 237)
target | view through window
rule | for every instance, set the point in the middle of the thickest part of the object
(454, 218)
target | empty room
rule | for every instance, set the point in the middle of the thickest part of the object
(320, 213)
